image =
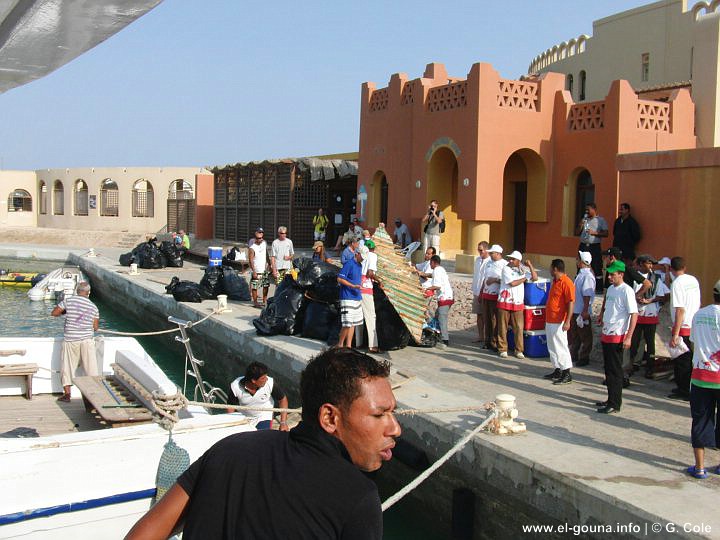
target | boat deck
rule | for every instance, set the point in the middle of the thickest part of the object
(44, 415)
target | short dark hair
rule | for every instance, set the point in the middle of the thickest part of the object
(558, 264)
(484, 244)
(434, 251)
(436, 259)
(592, 205)
(334, 376)
(677, 263)
(255, 370)
(625, 205)
(716, 297)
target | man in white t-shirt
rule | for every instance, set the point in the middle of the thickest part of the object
(257, 389)
(489, 294)
(281, 255)
(684, 303)
(441, 285)
(259, 274)
(618, 319)
(511, 303)
(580, 335)
(648, 314)
(481, 262)
(369, 269)
(424, 269)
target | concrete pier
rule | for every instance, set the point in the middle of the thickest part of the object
(574, 467)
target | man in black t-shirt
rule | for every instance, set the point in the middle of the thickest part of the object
(302, 484)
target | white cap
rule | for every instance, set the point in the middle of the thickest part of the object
(664, 260)
(585, 256)
(495, 249)
(515, 255)
(363, 251)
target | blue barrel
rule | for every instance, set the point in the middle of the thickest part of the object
(214, 256)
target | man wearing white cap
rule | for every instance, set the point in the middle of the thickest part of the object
(511, 303)
(580, 336)
(490, 288)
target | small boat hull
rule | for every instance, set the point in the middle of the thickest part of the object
(17, 279)
(61, 281)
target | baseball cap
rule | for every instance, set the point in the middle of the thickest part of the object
(495, 249)
(645, 257)
(585, 256)
(369, 244)
(515, 255)
(614, 251)
(363, 251)
(616, 266)
(398, 220)
(716, 287)
(664, 260)
(259, 229)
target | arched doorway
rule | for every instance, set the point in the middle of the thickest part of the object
(109, 199)
(378, 209)
(442, 181)
(578, 192)
(143, 200)
(524, 199)
(80, 196)
(58, 198)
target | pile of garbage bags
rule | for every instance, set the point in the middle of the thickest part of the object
(150, 255)
(217, 280)
(310, 306)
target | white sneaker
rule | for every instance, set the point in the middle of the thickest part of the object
(519, 355)
(503, 354)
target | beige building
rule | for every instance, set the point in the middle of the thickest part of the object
(657, 47)
(133, 199)
(17, 200)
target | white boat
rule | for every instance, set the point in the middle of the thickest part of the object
(89, 481)
(60, 281)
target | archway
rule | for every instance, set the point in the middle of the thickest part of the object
(524, 199)
(378, 210)
(143, 200)
(109, 199)
(578, 191)
(58, 198)
(43, 197)
(80, 191)
(442, 179)
(19, 200)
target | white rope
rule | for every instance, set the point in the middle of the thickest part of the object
(157, 333)
(426, 473)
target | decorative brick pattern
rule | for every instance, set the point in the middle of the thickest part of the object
(653, 116)
(407, 94)
(448, 97)
(587, 116)
(379, 100)
(517, 95)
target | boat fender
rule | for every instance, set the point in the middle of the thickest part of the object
(173, 462)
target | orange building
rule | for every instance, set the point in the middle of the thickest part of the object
(515, 161)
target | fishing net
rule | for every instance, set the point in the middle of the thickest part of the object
(173, 462)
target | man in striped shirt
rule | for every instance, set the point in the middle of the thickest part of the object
(81, 320)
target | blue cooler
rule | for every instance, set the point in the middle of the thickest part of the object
(536, 344)
(536, 292)
(215, 256)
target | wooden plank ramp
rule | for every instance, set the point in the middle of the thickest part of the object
(400, 284)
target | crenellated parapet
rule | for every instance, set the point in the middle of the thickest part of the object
(564, 50)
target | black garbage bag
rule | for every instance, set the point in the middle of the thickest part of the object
(391, 330)
(334, 333)
(150, 257)
(211, 283)
(184, 291)
(278, 317)
(326, 289)
(173, 255)
(319, 319)
(235, 286)
(126, 259)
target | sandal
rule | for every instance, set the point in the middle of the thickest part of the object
(374, 350)
(65, 398)
(700, 474)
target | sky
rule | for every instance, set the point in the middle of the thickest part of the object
(208, 83)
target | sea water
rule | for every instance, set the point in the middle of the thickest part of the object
(21, 317)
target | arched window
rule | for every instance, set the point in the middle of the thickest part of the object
(43, 197)
(58, 198)
(584, 194)
(19, 201)
(143, 204)
(569, 83)
(180, 189)
(583, 80)
(81, 197)
(108, 198)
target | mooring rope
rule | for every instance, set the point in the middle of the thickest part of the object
(435, 466)
(156, 333)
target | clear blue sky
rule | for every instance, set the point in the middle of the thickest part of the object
(208, 83)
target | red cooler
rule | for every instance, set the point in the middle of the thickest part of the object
(534, 317)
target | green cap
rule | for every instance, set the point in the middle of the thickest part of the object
(616, 266)
(369, 244)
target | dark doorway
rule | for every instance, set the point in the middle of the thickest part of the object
(343, 199)
(585, 193)
(384, 201)
(520, 220)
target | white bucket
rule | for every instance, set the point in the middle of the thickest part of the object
(133, 269)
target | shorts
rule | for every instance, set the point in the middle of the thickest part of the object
(705, 411)
(476, 307)
(351, 313)
(318, 235)
(262, 281)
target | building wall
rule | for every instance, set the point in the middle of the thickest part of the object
(682, 44)
(160, 178)
(9, 182)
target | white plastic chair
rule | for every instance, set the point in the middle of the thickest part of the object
(410, 249)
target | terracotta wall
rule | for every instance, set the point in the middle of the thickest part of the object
(205, 206)
(674, 197)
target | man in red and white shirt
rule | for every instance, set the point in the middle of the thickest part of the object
(684, 303)
(369, 267)
(511, 303)
(618, 324)
(490, 287)
(441, 285)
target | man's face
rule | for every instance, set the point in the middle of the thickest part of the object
(398, 223)
(368, 428)
(354, 244)
(590, 211)
(358, 257)
(513, 262)
(482, 251)
(645, 267)
(616, 278)
(623, 212)
(260, 381)
(320, 211)
(258, 237)
(557, 274)
(428, 254)
(433, 264)
(495, 256)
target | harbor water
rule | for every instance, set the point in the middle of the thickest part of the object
(20, 317)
